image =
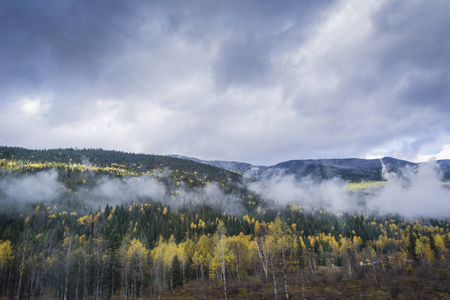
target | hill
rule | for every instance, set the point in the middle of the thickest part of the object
(94, 173)
(131, 163)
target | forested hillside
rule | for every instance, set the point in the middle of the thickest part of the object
(194, 231)
(103, 162)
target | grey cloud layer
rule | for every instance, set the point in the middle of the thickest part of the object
(251, 81)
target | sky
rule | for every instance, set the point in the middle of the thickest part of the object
(255, 81)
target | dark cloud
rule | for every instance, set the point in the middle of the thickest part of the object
(240, 63)
(415, 43)
(55, 41)
(259, 81)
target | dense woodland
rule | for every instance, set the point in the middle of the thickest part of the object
(147, 248)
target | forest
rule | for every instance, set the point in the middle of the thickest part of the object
(202, 235)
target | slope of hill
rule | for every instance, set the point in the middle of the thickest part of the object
(130, 162)
(97, 177)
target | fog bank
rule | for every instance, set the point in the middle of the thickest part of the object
(416, 192)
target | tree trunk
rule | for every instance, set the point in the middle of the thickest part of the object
(284, 274)
(303, 285)
(9, 280)
(78, 280)
(22, 268)
(66, 281)
(223, 269)
(142, 279)
(263, 257)
(349, 267)
(375, 276)
(310, 266)
(274, 281)
(85, 275)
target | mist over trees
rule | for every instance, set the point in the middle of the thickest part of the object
(79, 224)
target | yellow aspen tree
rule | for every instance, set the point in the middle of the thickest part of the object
(6, 254)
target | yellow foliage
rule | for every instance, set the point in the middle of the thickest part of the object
(81, 239)
(6, 253)
(301, 242)
(221, 254)
(137, 248)
(201, 224)
(439, 241)
(97, 216)
(246, 218)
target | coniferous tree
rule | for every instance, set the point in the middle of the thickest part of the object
(433, 246)
(176, 272)
(412, 244)
(300, 254)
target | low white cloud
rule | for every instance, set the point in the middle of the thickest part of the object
(42, 186)
(328, 194)
(411, 193)
(117, 191)
(414, 193)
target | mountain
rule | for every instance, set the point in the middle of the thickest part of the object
(240, 167)
(444, 165)
(352, 169)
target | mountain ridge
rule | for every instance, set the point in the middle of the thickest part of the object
(353, 169)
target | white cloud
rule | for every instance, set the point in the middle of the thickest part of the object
(34, 107)
(443, 153)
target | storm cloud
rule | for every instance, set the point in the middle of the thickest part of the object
(255, 81)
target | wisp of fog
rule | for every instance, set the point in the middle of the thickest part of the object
(42, 186)
(415, 193)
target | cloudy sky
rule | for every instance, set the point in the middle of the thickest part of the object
(254, 81)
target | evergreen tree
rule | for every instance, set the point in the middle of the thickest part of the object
(300, 254)
(177, 272)
(412, 244)
(447, 241)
